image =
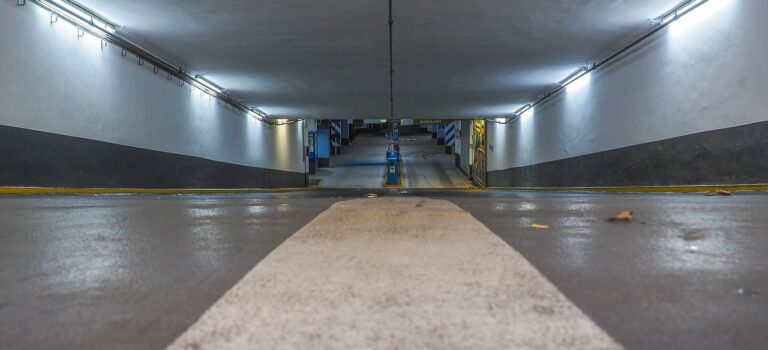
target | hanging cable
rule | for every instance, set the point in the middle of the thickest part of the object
(391, 73)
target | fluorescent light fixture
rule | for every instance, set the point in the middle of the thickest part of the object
(574, 76)
(519, 112)
(84, 16)
(523, 109)
(680, 11)
(201, 79)
(689, 7)
(86, 20)
(255, 113)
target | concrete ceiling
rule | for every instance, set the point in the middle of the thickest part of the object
(329, 58)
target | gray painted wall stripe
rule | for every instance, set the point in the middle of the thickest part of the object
(728, 156)
(703, 73)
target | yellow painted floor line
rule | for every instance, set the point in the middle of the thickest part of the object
(57, 190)
(394, 273)
(648, 189)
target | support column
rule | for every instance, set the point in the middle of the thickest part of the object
(323, 142)
(450, 137)
(335, 127)
(344, 131)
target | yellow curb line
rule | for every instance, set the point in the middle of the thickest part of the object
(648, 189)
(62, 190)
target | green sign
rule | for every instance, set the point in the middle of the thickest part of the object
(425, 122)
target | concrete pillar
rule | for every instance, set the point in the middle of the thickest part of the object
(323, 142)
(450, 137)
(344, 131)
(335, 129)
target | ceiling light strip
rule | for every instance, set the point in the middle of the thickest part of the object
(85, 15)
(662, 22)
(88, 21)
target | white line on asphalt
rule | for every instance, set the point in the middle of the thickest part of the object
(394, 273)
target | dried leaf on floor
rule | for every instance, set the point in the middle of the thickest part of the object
(747, 292)
(540, 226)
(719, 193)
(625, 216)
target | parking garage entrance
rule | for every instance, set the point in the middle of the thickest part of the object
(360, 162)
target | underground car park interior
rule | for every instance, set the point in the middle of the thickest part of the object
(383, 174)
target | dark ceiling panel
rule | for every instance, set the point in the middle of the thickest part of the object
(329, 58)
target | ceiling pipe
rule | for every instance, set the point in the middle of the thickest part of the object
(147, 56)
(662, 22)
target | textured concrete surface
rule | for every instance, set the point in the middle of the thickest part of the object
(351, 177)
(421, 273)
(690, 272)
(360, 164)
(129, 272)
(133, 272)
(424, 164)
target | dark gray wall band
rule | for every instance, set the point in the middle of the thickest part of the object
(39, 159)
(737, 155)
(407, 130)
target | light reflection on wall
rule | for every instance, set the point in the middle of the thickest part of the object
(65, 31)
(696, 19)
(288, 144)
(653, 93)
(579, 83)
(96, 93)
(206, 119)
(253, 145)
(526, 135)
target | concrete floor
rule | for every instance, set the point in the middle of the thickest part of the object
(129, 272)
(133, 272)
(362, 164)
(420, 273)
(425, 165)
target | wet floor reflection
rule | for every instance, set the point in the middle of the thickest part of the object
(95, 271)
(80, 264)
(683, 265)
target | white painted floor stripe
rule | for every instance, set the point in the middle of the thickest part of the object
(384, 273)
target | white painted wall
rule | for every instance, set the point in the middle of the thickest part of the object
(54, 82)
(705, 72)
